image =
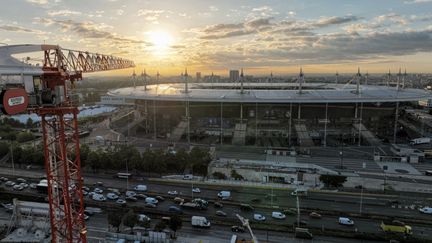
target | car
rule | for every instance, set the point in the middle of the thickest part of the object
(98, 197)
(315, 215)
(178, 200)
(236, 228)
(278, 215)
(187, 177)
(89, 212)
(140, 195)
(18, 187)
(218, 205)
(21, 180)
(201, 202)
(221, 213)
(151, 200)
(426, 210)
(112, 196)
(246, 207)
(290, 211)
(99, 183)
(140, 188)
(130, 194)
(85, 188)
(175, 210)
(24, 185)
(196, 190)
(160, 198)
(84, 193)
(259, 217)
(33, 185)
(143, 218)
(300, 223)
(114, 190)
(172, 193)
(149, 205)
(4, 179)
(98, 190)
(10, 183)
(121, 201)
(7, 206)
(131, 199)
(345, 221)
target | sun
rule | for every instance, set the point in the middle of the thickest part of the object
(160, 40)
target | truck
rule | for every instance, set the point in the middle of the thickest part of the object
(423, 140)
(396, 227)
(200, 221)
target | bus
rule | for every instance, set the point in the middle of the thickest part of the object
(123, 175)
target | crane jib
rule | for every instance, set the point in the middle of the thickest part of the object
(14, 101)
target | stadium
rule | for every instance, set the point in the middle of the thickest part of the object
(271, 114)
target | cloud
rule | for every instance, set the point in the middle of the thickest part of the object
(213, 8)
(64, 12)
(417, 1)
(40, 2)
(14, 28)
(150, 15)
(88, 30)
(327, 21)
(119, 11)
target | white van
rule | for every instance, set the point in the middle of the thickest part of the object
(151, 200)
(346, 221)
(199, 221)
(140, 188)
(224, 195)
(188, 177)
(278, 215)
(299, 192)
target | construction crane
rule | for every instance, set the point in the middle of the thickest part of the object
(45, 89)
(245, 223)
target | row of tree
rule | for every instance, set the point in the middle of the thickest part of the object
(150, 161)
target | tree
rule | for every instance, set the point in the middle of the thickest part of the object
(4, 149)
(236, 175)
(175, 224)
(130, 219)
(160, 226)
(29, 123)
(219, 175)
(114, 219)
(333, 180)
(24, 137)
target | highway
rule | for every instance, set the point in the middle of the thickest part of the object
(331, 205)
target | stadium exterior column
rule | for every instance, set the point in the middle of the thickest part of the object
(221, 123)
(325, 125)
(360, 122)
(289, 128)
(154, 120)
(299, 111)
(396, 122)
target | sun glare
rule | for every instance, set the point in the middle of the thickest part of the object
(160, 39)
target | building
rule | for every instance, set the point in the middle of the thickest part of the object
(271, 114)
(234, 75)
(198, 76)
(212, 78)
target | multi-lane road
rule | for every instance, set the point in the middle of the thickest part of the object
(331, 205)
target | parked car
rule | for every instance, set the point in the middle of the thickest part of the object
(98, 197)
(121, 201)
(246, 207)
(18, 187)
(150, 205)
(172, 193)
(237, 228)
(151, 200)
(426, 210)
(98, 190)
(7, 206)
(112, 196)
(278, 215)
(130, 194)
(23, 184)
(346, 221)
(142, 196)
(315, 215)
(196, 190)
(259, 217)
(143, 218)
(221, 213)
(290, 211)
(33, 185)
(160, 198)
(85, 188)
(10, 183)
(4, 179)
(21, 180)
(131, 199)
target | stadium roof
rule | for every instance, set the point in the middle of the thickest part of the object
(271, 93)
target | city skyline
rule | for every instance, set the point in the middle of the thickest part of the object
(206, 36)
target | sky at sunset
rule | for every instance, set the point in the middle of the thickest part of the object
(260, 36)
